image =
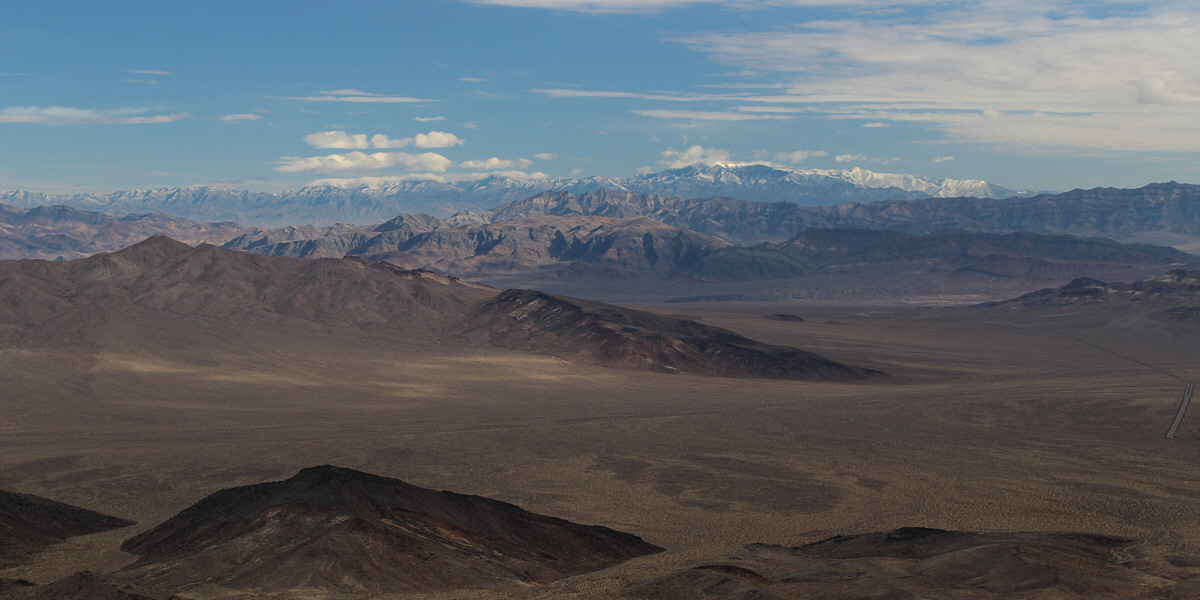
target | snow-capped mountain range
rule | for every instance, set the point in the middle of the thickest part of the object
(322, 205)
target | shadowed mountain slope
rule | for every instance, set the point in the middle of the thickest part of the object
(30, 524)
(913, 563)
(59, 231)
(334, 528)
(598, 333)
(1017, 256)
(84, 585)
(223, 286)
(58, 302)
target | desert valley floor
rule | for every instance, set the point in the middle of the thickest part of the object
(986, 421)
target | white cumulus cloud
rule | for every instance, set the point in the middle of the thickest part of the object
(337, 139)
(436, 139)
(942, 159)
(496, 164)
(799, 156)
(346, 141)
(849, 157)
(546, 156)
(361, 161)
(696, 155)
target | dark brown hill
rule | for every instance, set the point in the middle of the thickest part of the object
(63, 302)
(1172, 295)
(59, 231)
(913, 563)
(334, 528)
(605, 334)
(84, 585)
(29, 524)
(53, 299)
(1176, 286)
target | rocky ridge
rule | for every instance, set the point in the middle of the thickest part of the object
(30, 524)
(336, 528)
(52, 232)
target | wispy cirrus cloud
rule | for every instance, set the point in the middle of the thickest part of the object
(149, 72)
(239, 117)
(799, 156)
(1048, 76)
(942, 159)
(428, 119)
(343, 140)
(62, 115)
(707, 115)
(351, 95)
(1027, 76)
(661, 96)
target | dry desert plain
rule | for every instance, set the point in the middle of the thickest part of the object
(986, 421)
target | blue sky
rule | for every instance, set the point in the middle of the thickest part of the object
(278, 94)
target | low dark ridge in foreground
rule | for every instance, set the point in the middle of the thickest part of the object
(1172, 297)
(915, 562)
(30, 524)
(335, 528)
(83, 585)
(606, 334)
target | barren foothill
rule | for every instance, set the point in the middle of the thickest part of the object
(986, 423)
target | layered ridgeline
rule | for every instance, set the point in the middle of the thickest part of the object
(30, 524)
(1167, 213)
(62, 232)
(325, 204)
(331, 528)
(918, 562)
(1173, 297)
(571, 247)
(164, 281)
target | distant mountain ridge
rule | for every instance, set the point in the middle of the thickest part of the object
(598, 248)
(52, 232)
(1164, 213)
(327, 204)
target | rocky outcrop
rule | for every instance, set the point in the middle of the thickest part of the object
(336, 529)
(917, 562)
